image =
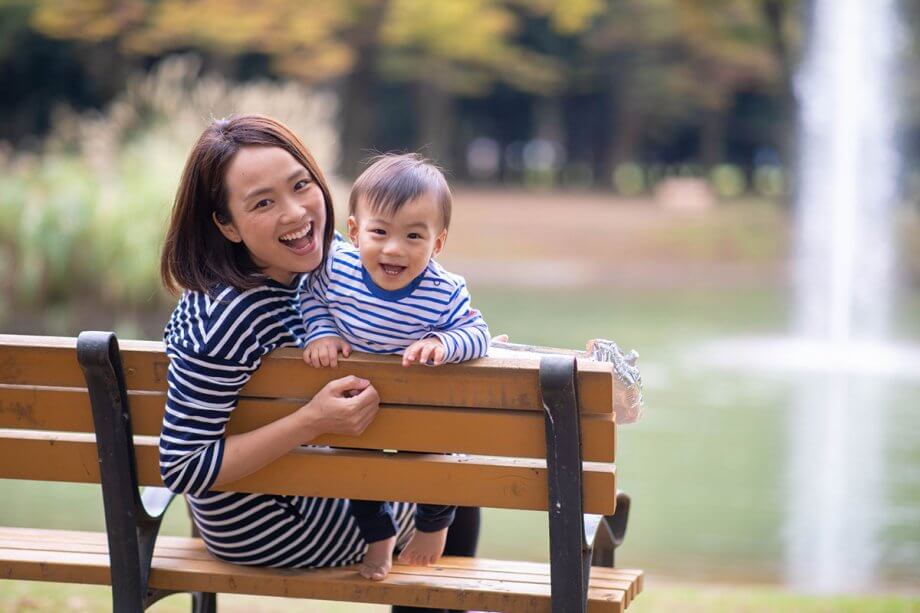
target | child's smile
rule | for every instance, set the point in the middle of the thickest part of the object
(392, 270)
(396, 247)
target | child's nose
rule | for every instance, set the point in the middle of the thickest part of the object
(391, 246)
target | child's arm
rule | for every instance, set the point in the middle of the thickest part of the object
(322, 340)
(462, 336)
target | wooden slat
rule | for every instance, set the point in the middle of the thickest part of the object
(617, 574)
(325, 584)
(98, 546)
(188, 548)
(514, 483)
(181, 563)
(504, 383)
(409, 428)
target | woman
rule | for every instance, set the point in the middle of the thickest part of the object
(252, 216)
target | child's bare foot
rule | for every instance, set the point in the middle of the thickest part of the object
(424, 548)
(378, 560)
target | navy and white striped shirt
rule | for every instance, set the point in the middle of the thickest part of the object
(343, 300)
(215, 343)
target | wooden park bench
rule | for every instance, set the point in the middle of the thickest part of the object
(526, 433)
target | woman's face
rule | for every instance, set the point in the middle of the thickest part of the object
(277, 211)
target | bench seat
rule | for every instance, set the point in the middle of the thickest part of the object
(183, 564)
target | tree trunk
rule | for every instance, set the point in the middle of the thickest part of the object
(627, 133)
(774, 12)
(358, 119)
(435, 123)
(712, 138)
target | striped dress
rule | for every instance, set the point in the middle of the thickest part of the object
(343, 300)
(215, 343)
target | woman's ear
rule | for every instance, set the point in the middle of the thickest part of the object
(353, 230)
(227, 229)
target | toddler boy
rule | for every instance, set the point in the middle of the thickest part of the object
(385, 294)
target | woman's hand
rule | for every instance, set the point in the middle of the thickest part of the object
(344, 406)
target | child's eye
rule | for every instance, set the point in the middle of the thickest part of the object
(378, 231)
(414, 235)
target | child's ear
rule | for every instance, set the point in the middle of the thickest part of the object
(439, 242)
(227, 229)
(353, 230)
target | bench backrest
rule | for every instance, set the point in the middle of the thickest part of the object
(490, 409)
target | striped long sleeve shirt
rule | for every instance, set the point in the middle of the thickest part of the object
(215, 343)
(342, 300)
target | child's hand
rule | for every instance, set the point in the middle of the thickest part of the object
(325, 351)
(428, 351)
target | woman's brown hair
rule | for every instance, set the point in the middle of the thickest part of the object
(196, 255)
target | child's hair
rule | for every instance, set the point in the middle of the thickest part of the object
(395, 179)
(195, 254)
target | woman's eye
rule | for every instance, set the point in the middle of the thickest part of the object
(261, 204)
(301, 184)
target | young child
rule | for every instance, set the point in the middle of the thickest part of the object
(385, 294)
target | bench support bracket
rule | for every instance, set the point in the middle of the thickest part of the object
(610, 533)
(132, 519)
(570, 555)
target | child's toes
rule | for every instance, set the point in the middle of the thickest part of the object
(372, 571)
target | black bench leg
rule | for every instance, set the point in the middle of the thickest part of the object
(204, 602)
(132, 521)
(570, 555)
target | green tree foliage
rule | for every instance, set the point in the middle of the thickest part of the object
(464, 44)
(652, 64)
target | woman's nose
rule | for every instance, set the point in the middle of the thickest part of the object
(292, 210)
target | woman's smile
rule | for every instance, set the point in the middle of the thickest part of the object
(300, 241)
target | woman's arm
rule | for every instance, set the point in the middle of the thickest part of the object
(332, 410)
(195, 452)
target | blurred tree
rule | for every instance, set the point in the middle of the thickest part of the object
(675, 61)
(443, 48)
(610, 80)
(38, 73)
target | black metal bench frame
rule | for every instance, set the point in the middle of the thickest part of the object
(133, 518)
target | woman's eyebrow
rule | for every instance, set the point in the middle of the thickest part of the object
(264, 190)
(257, 192)
(297, 172)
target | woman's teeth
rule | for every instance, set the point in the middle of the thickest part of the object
(292, 236)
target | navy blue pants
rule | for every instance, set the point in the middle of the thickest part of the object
(375, 519)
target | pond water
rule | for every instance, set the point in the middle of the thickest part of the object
(723, 486)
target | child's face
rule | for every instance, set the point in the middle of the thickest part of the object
(396, 248)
